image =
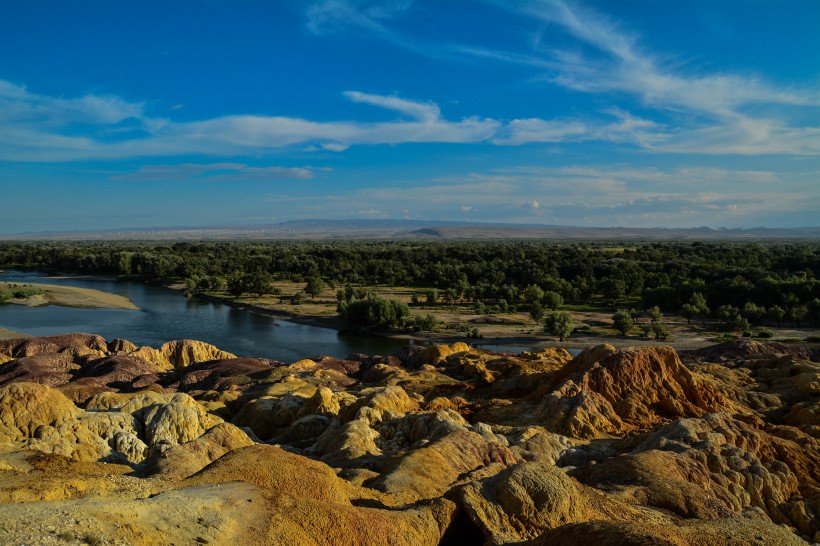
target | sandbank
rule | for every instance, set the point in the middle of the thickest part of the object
(72, 296)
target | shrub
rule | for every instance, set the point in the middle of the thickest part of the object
(373, 310)
(425, 323)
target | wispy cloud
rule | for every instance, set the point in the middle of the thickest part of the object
(708, 112)
(39, 128)
(18, 105)
(215, 172)
(723, 108)
(334, 15)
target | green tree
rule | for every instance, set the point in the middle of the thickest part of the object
(796, 314)
(259, 283)
(533, 294)
(314, 286)
(660, 330)
(753, 312)
(537, 312)
(553, 300)
(425, 323)
(373, 310)
(612, 288)
(775, 312)
(688, 311)
(559, 323)
(622, 321)
(432, 296)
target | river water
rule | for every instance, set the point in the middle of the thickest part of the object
(166, 314)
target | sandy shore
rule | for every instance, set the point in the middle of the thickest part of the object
(11, 334)
(71, 296)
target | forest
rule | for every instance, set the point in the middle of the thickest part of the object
(760, 281)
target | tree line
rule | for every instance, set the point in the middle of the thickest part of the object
(752, 280)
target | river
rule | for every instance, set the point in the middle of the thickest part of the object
(166, 314)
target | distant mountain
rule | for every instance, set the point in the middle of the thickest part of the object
(418, 230)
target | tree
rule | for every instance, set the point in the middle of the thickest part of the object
(775, 312)
(655, 314)
(688, 311)
(622, 321)
(258, 282)
(425, 323)
(373, 310)
(314, 286)
(559, 323)
(190, 286)
(727, 313)
(612, 288)
(537, 312)
(553, 300)
(753, 312)
(432, 296)
(796, 314)
(533, 294)
(660, 330)
(698, 301)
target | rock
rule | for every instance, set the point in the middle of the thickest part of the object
(25, 407)
(604, 391)
(350, 444)
(274, 468)
(222, 374)
(445, 446)
(722, 532)
(122, 432)
(522, 501)
(177, 419)
(429, 471)
(381, 403)
(184, 352)
(414, 357)
(321, 403)
(74, 344)
(186, 459)
(267, 416)
(740, 466)
(51, 369)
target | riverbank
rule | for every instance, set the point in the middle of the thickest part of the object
(71, 296)
(516, 331)
(11, 334)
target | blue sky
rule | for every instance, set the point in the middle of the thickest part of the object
(638, 113)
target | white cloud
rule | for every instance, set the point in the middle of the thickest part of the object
(416, 110)
(50, 136)
(19, 105)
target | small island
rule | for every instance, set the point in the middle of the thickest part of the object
(38, 295)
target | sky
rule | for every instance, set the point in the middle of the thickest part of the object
(635, 113)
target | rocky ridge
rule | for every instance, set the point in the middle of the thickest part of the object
(109, 443)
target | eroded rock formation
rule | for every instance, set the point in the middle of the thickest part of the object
(110, 443)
